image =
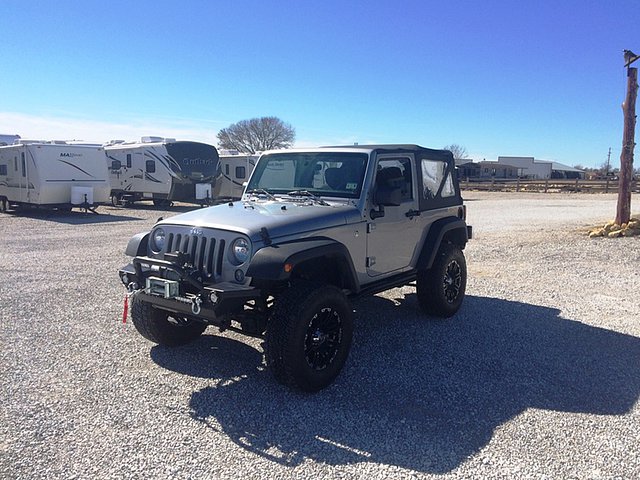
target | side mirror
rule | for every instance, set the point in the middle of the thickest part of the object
(116, 165)
(385, 196)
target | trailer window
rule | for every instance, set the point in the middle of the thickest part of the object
(241, 172)
(151, 166)
(226, 169)
(128, 160)
(15, 164)
(3, 170)
(24, 165)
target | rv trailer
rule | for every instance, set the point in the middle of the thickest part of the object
(162, 170)
(8, 139)
(52, 174)
(235, 169)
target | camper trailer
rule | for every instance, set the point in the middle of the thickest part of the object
(54, 174)
(235, 169)
(162, 170)
(8, 139)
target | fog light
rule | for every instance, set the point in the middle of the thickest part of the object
(214, 297)
(125, 279)
(239, 276)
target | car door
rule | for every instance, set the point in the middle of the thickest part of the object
(391, 238)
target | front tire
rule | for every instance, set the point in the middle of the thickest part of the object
(309, 336)
(163, 327)
(441, 289)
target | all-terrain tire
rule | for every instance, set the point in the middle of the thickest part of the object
(441, 288)
(309, 335)
(154, 324)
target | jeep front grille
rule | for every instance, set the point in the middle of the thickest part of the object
(207, 253)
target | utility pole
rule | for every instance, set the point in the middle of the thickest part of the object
(606, 173)
(623, 210)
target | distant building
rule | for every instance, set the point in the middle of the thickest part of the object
(529, 167)
(486, 169)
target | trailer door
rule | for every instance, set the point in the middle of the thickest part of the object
(23, 177)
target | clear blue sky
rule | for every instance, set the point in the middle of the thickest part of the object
(532, 78)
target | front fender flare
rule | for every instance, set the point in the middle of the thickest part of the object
(137, 246)
(269, 262)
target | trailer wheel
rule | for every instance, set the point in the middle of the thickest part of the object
(162, 202)
(116, 200)
(3, 205)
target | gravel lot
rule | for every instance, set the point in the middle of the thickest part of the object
(536, 377)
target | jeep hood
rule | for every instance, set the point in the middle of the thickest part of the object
(278, 217)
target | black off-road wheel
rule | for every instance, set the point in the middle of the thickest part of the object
(309, 336)
(4, 205)
(162, 327)
(441, 289)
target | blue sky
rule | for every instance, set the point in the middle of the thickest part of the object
(532, 78)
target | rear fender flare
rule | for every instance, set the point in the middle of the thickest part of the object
(452, 227)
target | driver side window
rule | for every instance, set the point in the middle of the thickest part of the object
(396, 172)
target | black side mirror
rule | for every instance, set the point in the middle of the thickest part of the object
(116, 165)
(385, 196)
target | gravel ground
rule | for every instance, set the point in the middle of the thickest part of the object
(536, 377)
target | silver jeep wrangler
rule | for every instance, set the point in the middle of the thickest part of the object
(314, 228)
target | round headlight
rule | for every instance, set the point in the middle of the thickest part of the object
(157, 240)
(240, 250)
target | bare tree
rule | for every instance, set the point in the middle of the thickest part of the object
(459, 152)
(623, 209)
(256, 135)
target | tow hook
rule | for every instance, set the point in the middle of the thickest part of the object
(195, 305)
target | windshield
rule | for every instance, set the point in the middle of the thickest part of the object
(331, 174)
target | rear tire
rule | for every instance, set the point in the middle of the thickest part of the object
(163, 327)
(441, 289)
(309, 336)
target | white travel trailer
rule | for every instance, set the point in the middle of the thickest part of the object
(162, 170)
(235, 169)
(8, 139)
(53, 174)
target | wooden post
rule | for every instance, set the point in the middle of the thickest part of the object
(623, 210)
(518, 185)
(606, 187)
(546, 185)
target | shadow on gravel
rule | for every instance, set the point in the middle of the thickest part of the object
(75, 217)
(419, 393)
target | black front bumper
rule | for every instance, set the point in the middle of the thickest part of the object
(205, 302)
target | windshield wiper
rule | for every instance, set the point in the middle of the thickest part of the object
(261, 191)
(307, 193)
